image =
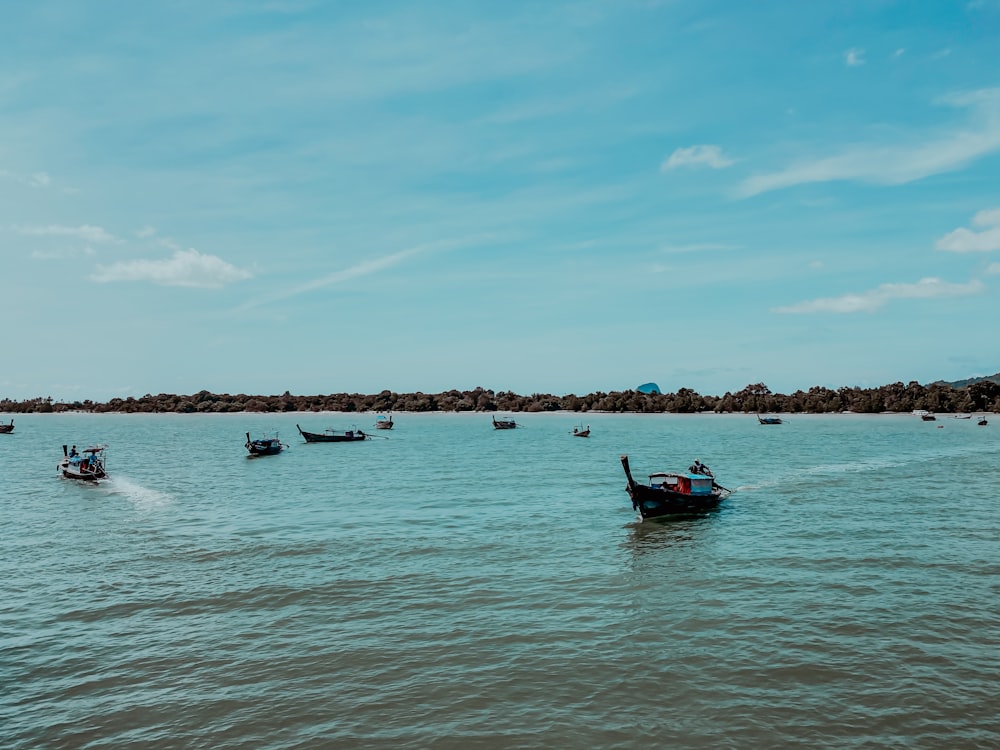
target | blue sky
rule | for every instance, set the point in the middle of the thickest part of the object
(253, 197)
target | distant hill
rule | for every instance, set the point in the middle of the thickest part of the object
(965, 383)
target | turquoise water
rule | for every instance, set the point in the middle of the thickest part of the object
(447, 585)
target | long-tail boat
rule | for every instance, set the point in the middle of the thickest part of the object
(6, 429)
(333, 436)
(673, 493)
(504, 424)
(264, 446)
(87, 464)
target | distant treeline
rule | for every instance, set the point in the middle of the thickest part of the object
(897, 397)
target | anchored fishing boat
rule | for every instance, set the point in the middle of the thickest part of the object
(982, 422)
(87, 464)
(384, 423)
(333, 436)
(6, 429)
(673, 493)
(267, 445)
(504, 424)
(768, 420)
(581, 432)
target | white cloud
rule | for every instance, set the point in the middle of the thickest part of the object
(87, 251)
(900, 52)
(964, 240)
(85, 232)
(38, 179)
(702, 155)
(696, 248)
(146, 231)
(360, 269)
(875, 298)
(184, 268)
(854, 57)
(993, 269)
(891, 164)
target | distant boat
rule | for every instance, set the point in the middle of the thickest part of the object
(768, 420)
(504, 424)
(333, 436)
(6, 429)
(928, 418)
(384, 423)
(982, 422)
(87, 465)
(264, 446)
(581, 432)
(963, 416)
(670, 493)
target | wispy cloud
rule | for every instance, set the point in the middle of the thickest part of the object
(703, 247)
(358, 270)
(185, 268)
(964, 240)
(697, 156)
(993, 269)
(36, 179)
(887, 164)
(875, 298)
(87, 251)
(85, 232)
(854, 57)
(145, 232)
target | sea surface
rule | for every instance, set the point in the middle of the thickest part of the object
(446, 585)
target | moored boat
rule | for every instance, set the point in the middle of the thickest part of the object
(673, 493)
(384, 423)
(963, 416)
(581, 431)
(267, 445)
(928, 417)
(87, 465)
(6, 429)
(982, 422)
(333, 436)
(504, 424)
(768, 420)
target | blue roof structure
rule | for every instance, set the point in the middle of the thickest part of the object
(648, 388)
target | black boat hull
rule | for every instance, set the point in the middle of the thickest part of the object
(324, 437)
(651, 502)
(264, 450)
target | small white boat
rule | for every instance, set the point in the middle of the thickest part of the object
(87, 464)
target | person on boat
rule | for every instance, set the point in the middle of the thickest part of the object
(73, 453)
(699, 468)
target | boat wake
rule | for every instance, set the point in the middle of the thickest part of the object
(142, 497)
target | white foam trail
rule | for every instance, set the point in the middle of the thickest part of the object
(142, 497)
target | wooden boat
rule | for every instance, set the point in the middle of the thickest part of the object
(6, 429)
(504, 424)
(264, 446)
(384, 423)
(581, 432)
(928, 417)
(768, 420)
(333, 436)
(982, 422)
(672, 493)
(87, 465)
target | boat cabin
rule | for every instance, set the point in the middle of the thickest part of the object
(685, 484)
